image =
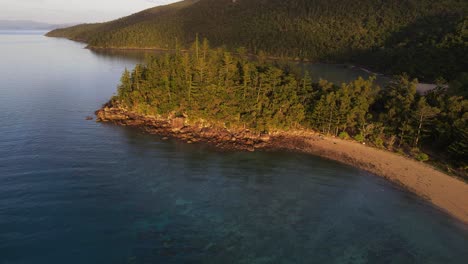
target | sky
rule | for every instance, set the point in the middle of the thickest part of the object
(73, 11)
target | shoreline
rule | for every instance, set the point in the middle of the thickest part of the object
(443, 191)
(422, 87)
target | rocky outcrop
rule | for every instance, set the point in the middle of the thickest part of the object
(420, 179)
(114, 114)
(177, 127)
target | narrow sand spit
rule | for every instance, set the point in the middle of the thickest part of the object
(444, 191)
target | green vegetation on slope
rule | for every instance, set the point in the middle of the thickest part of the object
(217, 87)
(424, 38)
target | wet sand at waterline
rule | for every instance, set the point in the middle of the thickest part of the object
(446, 192)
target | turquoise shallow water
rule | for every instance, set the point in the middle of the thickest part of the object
(75, 191)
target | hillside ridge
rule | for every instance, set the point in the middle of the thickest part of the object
(424, 38)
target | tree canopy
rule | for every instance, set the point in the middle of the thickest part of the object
(424, 38)
(217, 87)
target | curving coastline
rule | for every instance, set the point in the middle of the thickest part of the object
(447, 193)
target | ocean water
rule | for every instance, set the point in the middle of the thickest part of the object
(76, 191)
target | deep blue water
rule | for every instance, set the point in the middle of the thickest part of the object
(76, 191)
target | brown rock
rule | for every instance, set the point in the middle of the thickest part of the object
(177, 123)
(265, 137)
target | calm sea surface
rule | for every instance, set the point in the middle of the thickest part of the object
(75, 191)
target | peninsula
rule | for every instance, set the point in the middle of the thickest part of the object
(222, 96)
(225, 99)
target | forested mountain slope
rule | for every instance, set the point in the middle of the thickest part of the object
(424, 38)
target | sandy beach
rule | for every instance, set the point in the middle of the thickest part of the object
(448, 193)
(444, 191)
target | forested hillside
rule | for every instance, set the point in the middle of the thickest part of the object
(227, 90)
(427, 39)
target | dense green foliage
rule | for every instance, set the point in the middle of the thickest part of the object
(216, 87)
(424, 38)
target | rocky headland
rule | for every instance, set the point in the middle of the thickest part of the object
(446, 192)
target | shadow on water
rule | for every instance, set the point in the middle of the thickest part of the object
(132, 54)
(335, 73)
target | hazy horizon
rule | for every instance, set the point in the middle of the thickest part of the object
(64, 12)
